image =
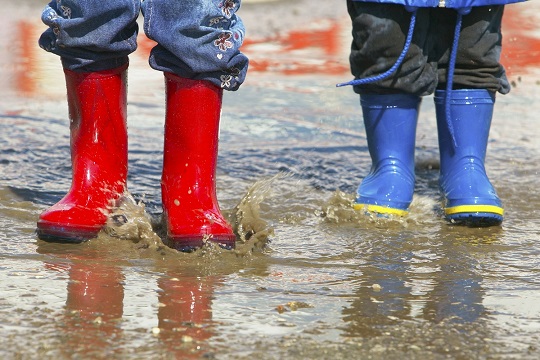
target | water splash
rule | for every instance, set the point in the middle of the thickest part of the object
(253, 232)
(130, 222)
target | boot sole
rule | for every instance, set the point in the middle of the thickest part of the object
(190, 243)
(383, 210)
(475, 215)
(66, 234)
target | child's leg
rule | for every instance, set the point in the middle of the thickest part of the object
(93, 39)
(389, 106)
(97, 110)
(188, 185)
(91, 35)
(478, 60)
(469, 196)
(197, 40)
(390, 122)
(379, 34)
(198, 50)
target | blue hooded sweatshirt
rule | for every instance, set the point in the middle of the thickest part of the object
(454, 4)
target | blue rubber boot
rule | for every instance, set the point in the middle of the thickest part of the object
(470, 199)
(390, 122)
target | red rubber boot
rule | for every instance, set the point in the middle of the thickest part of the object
(188, 184)
(97, 110)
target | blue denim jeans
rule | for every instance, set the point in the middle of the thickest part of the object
(196, 39)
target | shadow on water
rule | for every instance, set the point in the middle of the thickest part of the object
(311, 278)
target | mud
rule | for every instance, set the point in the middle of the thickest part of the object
(310, 278)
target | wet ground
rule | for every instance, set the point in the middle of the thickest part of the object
(317, 280)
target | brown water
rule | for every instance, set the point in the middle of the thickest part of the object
(311, 279)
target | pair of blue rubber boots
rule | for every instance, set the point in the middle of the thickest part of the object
(463, 131)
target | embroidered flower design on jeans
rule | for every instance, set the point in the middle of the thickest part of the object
(223, 42)
(66, 11)
(226, 81)
(215, 21)
(227, 7)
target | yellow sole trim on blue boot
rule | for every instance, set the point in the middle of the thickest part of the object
(474, 209)
(380, 209)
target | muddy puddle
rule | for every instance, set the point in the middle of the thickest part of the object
(310, 278)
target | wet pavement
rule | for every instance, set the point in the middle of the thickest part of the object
(311, 278)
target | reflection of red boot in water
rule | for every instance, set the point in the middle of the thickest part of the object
(185, 314)
(190, 205)
(94, 308)
(97, 109)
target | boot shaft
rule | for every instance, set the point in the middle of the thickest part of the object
(188, 182)
(97, 105)
(97, 110)
(463, 123)
(464, 130)
(390, 122)
(193, 111)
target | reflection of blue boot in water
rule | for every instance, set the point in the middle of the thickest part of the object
(470, 198)
(390, 122)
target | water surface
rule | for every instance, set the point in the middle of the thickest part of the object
(311, 278)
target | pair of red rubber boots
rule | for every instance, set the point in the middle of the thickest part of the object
(99, 154)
